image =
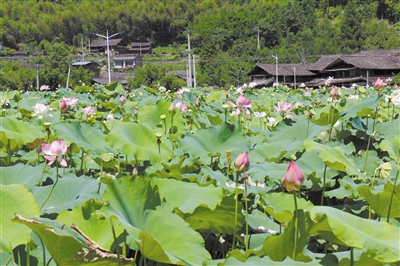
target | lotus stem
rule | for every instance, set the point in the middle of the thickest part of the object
(52, 188)
(323, 185)
(351, 256)
(247, 216)
(296, 224)
(394, 187)
(236, 209)
(83, 152)
(331, 113)
(115, 241)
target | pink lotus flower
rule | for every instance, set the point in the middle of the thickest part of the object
(55, 150)
(62, 105)
(242, 104)
(284, 109)
(294, 177)
(89, 110)
(181, 105)
(71, 102)
(242, 162)
(333, 92)
(379, 83)
(41, 110)
(122, 99)
(66, 103)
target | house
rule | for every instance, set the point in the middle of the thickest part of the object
(126, 61)
(141, 48)
(115, 76)
(263, 75)
(100, 46)
(91, 66)
(362, 68)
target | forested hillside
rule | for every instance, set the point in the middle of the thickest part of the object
(228, 37)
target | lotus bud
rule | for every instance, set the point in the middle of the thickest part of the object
(333, 92)
(134, 171)
(242, 162)
(62, 106)
(172, 108)
(122, 99)
(294, 177)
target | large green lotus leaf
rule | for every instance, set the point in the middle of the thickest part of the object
(282, 246)
(26, 175)
(188, 196)
(160, 234)
(257, 261)
(68, 246)
(334, 158)
(363, 108)
(326, 116)
(15, 198)
(150, 115)
(281, 206)
(213, 140)
(392, 147)
(71, 191)
(267, 171)
(372, 163)
(379, 199)
(379, 240)
(389, 129)
(296, 130)
(219, 220)
(273, 152)
(84, 136)
(138, 142)
(310, 164)
(217, 96)
(92, 226)
(22, 132)
(347, 189)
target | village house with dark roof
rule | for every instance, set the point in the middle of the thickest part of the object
(141, 47)
(362, 68)
(100, 46)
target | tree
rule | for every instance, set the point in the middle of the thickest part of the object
(351, 28)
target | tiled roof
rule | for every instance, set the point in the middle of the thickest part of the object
(103, 43)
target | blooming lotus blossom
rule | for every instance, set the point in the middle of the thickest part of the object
(260, 114)
(181, 105)
(284, 109)
(5, 101)
(71, 102)
(272, 121)
(89, 110)
(242, 162)
(55, 150)
(66, 103)
(41, 110)
(44, 88)
(162, 89)
(242, 104)
(328, 81)
(294, 177)
(379, 83)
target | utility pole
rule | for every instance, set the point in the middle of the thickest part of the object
(194, 71)
(276, 61)
(108, 50)
(189, 72)
(258, 38)
(83, 53)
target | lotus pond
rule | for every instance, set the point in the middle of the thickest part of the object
(102, 175)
